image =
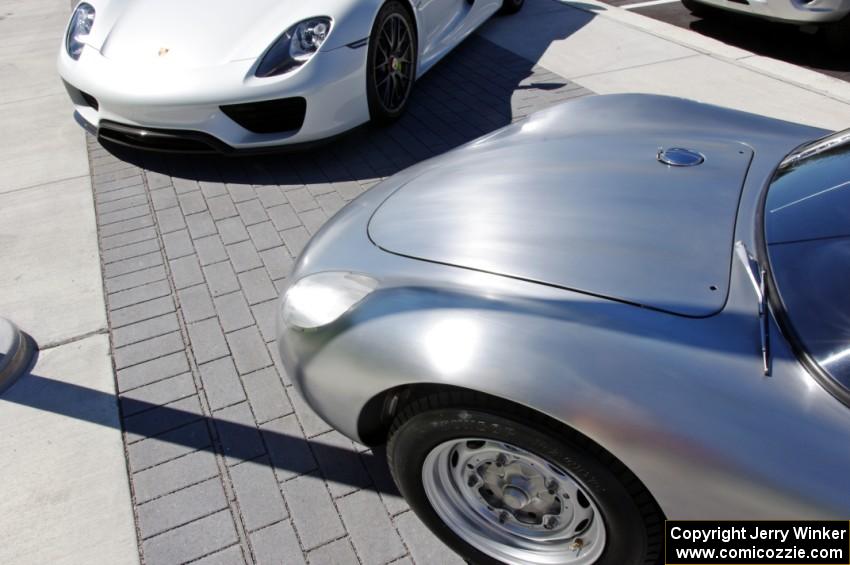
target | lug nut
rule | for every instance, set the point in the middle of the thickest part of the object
(550, 523)
(501, 460)
(472, 481)
(503, 517)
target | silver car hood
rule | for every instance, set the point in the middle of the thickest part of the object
(569, 201)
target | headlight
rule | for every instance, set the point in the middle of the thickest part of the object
(295, 47)
(79, 29)
(317, 300)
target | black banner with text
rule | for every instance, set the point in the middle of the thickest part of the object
(757, 543)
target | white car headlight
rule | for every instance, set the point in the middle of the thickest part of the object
(317, 300)
(79, 29)
(295, 47)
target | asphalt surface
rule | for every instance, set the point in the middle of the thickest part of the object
(779, 41)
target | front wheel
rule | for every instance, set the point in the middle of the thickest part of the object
(391, 64)
(501, 488)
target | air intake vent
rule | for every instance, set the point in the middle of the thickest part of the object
(272, 116)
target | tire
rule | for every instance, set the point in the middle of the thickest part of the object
(511, 6)
(698, 9)
(391, 63)
(616, 500)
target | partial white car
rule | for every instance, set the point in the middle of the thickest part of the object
(195, 76)
(833, 16)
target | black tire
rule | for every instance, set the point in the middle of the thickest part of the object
(698, 9)
(511, 6)
(627, 507)
(381, 70)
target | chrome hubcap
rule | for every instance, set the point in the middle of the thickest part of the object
(511, 504)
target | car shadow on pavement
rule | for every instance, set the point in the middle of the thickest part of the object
(290, 456)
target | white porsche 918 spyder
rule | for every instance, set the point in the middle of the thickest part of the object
(192, 76)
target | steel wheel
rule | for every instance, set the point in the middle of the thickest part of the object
(512, 505)
(392, 62)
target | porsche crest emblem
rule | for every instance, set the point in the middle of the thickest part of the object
(163, 51)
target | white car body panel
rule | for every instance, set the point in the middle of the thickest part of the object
(170, 65)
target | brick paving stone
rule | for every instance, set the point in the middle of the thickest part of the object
(220, 278)
(370, 528)
(192, 202)
(186, 271)
(191, 541)
(312, 422)
(152, 371)
(178, 244)
(265, 313)
(252, 212)
(138, 295)
(210, 250)
(163, 198)
(243, 256)
(161, 419)
(423, 545)
(196, 303)
(181, 507)
(239, 436)
(123, 203)
(132, 265)
(339, 463)
(126, 238)
(147, 329)
(130, 225)
(148, 245)
(339, 552)
(170, 219)
(313, 512)
(257, 286)
(201, 225)
(134, 279)
(289, 452)
(176, 443)
(283, 217)
(231, 556)
(174, 475)
(212, 189)
(376, 465)
(277, 544)
(207, 340)
(156, 394)
(231, 230)
(260, 500)
(266, 395)
(278, 262)
(147, 350)
(249, 350)
(295, 239)
(222, 385)
(222, 207)
(264, 236)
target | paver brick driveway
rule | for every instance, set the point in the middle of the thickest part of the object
(227, 463)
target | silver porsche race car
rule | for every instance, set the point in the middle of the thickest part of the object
(622, 309)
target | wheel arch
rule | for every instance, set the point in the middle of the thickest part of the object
(377, 415)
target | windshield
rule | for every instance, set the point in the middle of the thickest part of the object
(807, 235)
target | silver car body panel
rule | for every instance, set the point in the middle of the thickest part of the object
(680, 400)
(594, 212)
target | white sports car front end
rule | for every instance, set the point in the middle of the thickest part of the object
(193, 76)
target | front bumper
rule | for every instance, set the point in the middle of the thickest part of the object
(789, 11)
(181, 109)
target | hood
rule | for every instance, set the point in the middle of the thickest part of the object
(195, 34)
(577, 199)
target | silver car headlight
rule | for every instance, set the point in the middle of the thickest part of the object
(295, 47)
(319, 299)
(79, 29)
